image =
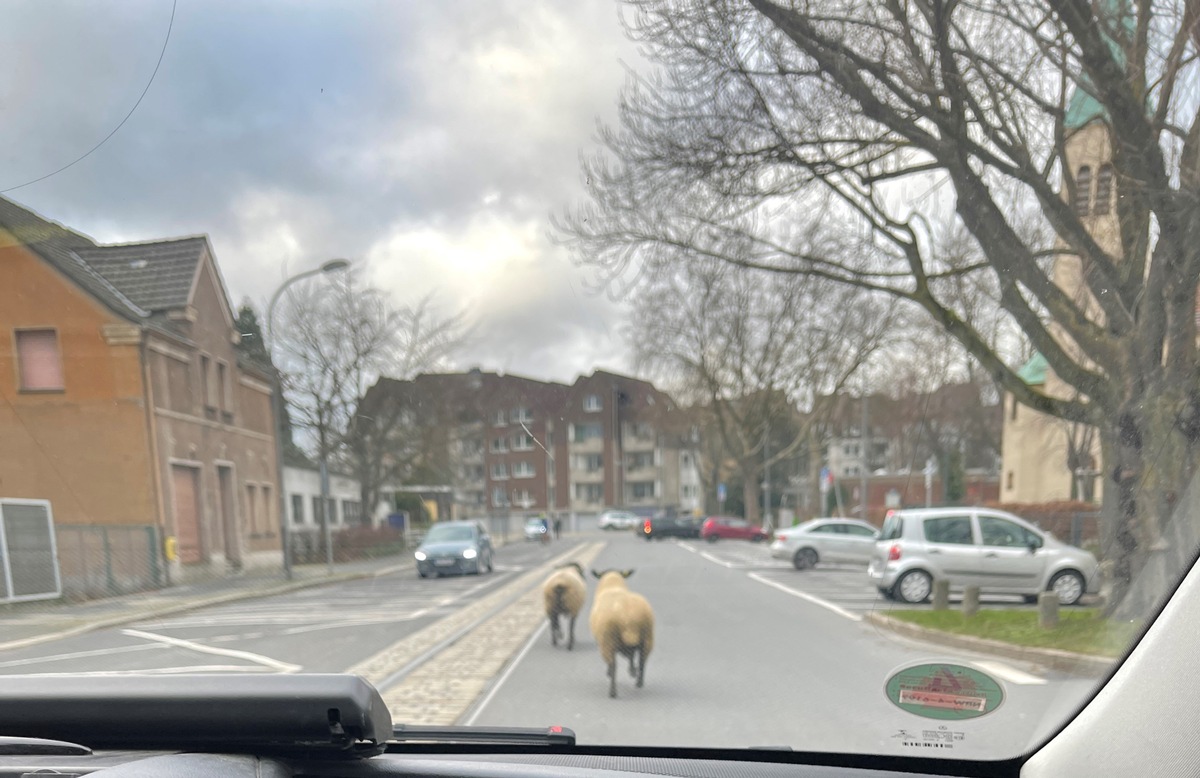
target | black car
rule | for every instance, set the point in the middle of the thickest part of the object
(670, 527)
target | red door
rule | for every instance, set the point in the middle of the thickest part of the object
(186, 482)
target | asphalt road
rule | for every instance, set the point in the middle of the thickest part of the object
(744, 656)
(320, 630)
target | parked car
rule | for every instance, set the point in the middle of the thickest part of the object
(670, 527)
(454, 547)
(728, 528)
(825, 540)
(536, 529)
(610, 520)
(994, 550)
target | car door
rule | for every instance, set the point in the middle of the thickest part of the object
(859, 543)
(951, 549)
(739, 530)
(1014, 559)
(829, 540)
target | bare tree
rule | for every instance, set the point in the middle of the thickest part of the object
(751, 349)
(336, 337)
(832, 140)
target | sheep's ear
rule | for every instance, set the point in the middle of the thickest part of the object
(626, 573)
(595, 573)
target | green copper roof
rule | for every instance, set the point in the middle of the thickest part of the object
(1116, 22)
(1034, 371)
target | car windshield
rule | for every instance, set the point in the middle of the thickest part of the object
(449, 534)
(292, 293)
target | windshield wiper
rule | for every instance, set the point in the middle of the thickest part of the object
(506, 736)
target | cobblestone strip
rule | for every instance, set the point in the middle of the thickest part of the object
(442, 689)
(381, 666)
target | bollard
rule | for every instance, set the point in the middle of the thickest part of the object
(1047, 610)
(970, 603)
(941, 595)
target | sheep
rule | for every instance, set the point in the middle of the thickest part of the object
(563, 594)
(622, 623)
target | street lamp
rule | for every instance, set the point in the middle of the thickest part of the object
(330, 266)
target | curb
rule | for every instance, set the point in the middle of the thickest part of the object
(168, 609)
(1087, 665)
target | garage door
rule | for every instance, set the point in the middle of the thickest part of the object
(186, 481)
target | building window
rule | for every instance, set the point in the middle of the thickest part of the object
(1008, 481)
(586, 432)
(522, 415)
(224, 391)
(1104, 181)
(1083, 191)
(499, 420)
(639, 460)
(252, 509)
(592, 403)
(522, 498)
(499, 471)
(641, 490)
(685, 460)
(523, 470)
(333, 512)
(499, 445)
(550, 499)
(297, 509)
(206, 383)
(522, 442)
(268, 529)
(589, 462)
(39, 361)
(589, 493)
(317, 514)
(499, 497)
(351, 511)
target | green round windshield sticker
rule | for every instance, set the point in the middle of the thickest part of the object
(942, 691)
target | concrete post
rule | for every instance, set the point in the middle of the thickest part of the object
(970, 603)
(941, 595)
(1047, 610)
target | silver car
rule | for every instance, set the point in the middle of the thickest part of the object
(991, 549)
(825, 540)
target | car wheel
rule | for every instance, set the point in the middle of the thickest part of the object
(649, 538)
(491, 565)
(1030, 599)
(712, 538)
(757, 539)
(1068, 585)
(804, 559)
(422, 574)
(914, 586)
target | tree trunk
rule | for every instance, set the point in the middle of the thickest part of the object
(750, 494)
(1151, 529)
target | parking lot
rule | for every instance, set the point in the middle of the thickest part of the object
(839, 587)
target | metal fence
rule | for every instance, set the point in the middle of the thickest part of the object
(102, 561)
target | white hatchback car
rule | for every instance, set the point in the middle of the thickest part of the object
(825, 540)
(991, 549)
(618, 520)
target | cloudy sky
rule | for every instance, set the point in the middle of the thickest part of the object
(428, 141)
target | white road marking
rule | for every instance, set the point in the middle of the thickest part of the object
(512, 665)
(806, 596)
(158, 671)
(720, 562)
(37, 660)
(259, 659)
(1009, 673)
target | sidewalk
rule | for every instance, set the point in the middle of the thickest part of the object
(28, 624)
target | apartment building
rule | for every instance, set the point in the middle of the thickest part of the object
(516, 445)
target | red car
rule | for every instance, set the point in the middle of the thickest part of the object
(717, 527)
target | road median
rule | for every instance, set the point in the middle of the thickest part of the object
(1088, 665)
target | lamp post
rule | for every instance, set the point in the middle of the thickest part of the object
(331, 266)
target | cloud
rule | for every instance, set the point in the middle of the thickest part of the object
(428, 140)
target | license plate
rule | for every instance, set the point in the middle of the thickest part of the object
(443, 562)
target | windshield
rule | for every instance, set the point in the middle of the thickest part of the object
(630, 284)
(449, 535)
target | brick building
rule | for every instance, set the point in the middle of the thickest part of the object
(123, 402)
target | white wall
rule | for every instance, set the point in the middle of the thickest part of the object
(307, 484)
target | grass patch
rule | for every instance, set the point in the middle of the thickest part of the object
(1081, 630)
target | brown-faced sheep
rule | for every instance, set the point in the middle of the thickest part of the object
(622, 623)
(563, 594)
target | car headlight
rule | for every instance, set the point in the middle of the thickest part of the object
(470, 553)
(420, 555)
